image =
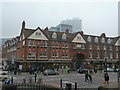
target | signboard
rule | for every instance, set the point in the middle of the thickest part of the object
(20, 67)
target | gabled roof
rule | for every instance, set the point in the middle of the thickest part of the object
(28, 32)
(115, 39)
(70, 36)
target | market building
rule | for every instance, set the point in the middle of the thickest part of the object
(50, 49)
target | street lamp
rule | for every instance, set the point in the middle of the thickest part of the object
(101, 65)
(106, 57)
(106, 64)
(36, 56)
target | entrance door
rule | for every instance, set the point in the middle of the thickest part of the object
(78, 60)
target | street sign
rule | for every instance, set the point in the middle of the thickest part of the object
(20, 67)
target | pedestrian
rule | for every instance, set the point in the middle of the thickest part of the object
(95, 70)
(88, 71)
(106, 76)
(90, 78)
(86, 77)
(68, 69)
(24, 80)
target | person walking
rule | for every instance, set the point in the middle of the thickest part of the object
(68, 69)
(95, 70)
(90, 78)
(86, 77)
(106, 76)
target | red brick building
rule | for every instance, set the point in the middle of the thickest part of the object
(41, 47)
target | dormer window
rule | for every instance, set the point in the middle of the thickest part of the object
(38, 33)
(96, 39)
(89, 39)
(103, 40)
(109, 40)
(64, 36)
(54, 35)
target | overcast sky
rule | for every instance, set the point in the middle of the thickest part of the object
(97, 17)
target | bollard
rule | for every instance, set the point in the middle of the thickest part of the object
(68, 86)
(30, 79)
(61, 83)
(11, 79)
(35, 77)
(75, 86)
(24, 80)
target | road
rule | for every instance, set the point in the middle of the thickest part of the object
(73, 77)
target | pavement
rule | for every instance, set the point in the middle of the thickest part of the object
(72, 77)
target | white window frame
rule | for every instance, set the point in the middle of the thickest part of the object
(54, 35)
(89, 39)
(96, 39)
(103, 40)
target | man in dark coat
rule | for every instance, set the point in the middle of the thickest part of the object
(86, 77)
(106, 76)
(90, 78)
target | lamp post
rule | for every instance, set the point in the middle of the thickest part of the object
(106, 64)
(106, 57)
(101, 65)
(36, 56)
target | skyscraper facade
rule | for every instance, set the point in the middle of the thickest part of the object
(62, 28)
(75, 22)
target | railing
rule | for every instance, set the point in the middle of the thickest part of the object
(28, 86)
(31, 86)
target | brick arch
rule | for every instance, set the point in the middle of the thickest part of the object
(80, 56)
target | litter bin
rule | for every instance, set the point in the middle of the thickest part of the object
(68, 86)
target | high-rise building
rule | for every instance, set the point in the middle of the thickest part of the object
(75, 22)
(62, 28)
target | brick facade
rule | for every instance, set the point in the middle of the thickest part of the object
(50, 47)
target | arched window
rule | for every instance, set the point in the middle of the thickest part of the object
(96, 39)
(54, 35)
(109, 40)
(89, 38)
(64, 36)
(103, 40)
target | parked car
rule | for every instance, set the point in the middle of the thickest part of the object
(50, 72)
(82, 71)
(109, 70)
(4, 75)
(117, 69)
